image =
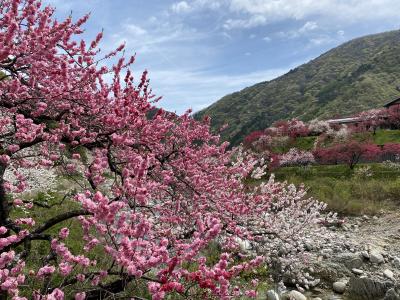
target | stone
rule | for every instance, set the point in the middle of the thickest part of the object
(272, 295)
(368, 288)
(345, 227)
(388, 274)
(396, 262)
(327, 252)
(334, 297)
(339, 286)
(357, 271)
(330, 272)
(365, 254)
(375, 257)
(293, 295)
(393, 294)
(349, 260)
(308, 246)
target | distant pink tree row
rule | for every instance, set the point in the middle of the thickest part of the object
(350, 153)
(155, 191)
(369, 120)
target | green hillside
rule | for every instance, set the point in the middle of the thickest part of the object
(360, 74)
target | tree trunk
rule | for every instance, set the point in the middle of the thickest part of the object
(3, 295)
(4, 212)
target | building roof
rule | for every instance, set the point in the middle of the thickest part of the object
(344, 120)
(393, 102)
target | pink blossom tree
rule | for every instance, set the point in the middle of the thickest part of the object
(295, 157)
(252, 137)
(317, 127)
(391, 149)
(372, 119)
(392, 117)
(292, 128)
(154, 192)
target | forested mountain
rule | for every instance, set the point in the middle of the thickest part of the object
(357, 75)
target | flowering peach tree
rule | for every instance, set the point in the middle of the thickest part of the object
(150, 191)
(296, 157)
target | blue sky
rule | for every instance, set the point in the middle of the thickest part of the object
(197, 51)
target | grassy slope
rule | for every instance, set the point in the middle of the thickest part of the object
(344, 191)
(386, 136)
(355, 76)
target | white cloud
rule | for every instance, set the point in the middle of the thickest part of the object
(181, 7)
(278, 9)
(134, 30)
(209, 4)
(347, 11)
(151, 38)
(308, 26)
(253, 21)
(240, 14)
(247, 14)
(267, 39)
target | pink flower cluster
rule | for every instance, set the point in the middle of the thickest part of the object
(295, 157)
(11, 275)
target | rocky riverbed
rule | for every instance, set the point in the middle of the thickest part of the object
(361, 260)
